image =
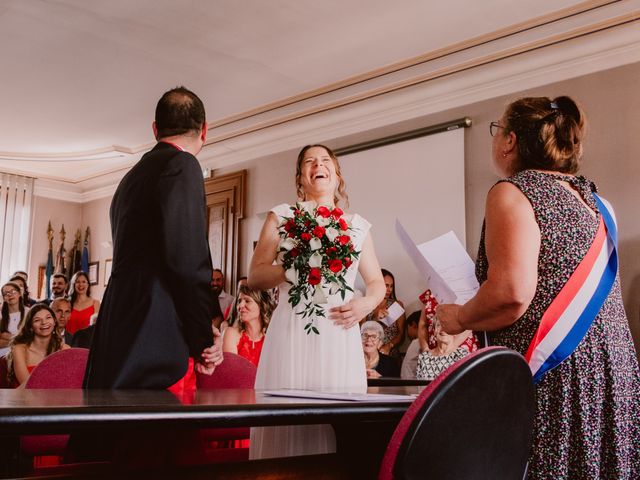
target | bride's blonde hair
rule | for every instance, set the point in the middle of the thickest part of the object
(341, 191)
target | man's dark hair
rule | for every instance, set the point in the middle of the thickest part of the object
(60, 275)
(179, 111)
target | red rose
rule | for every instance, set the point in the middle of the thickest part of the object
(343, 224)
(314, 276)
(318, 231)
(344, 239)
(347, 262)
(305, 236)
(292, 234)
(331, 250)
(323, 211)
(335, 265)
(337, 212)
(294, 252)
(289, 225)
(307, 223)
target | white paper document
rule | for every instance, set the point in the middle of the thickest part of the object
(394, 312)
(351, 397)
(444, 264)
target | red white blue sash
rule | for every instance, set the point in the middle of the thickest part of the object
(568, 318)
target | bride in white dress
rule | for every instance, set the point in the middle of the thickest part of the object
(331, 360)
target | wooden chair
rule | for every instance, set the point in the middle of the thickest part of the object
(4, 371)
(472, 422)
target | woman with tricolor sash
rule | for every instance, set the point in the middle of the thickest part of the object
(548, 269)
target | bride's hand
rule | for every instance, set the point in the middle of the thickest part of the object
(350, 313)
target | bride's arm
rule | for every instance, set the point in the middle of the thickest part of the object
(263, 274)
(350, 313)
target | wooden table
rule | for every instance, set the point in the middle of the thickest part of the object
(69, 411)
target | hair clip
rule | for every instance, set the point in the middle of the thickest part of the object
(554, 106)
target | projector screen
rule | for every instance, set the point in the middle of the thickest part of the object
(421, 183)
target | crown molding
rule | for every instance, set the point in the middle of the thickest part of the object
(562, 49)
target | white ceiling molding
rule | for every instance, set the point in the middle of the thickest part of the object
(550, 49)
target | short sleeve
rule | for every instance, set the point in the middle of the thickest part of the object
(282, 210)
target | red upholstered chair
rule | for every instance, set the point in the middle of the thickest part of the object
(234, 372)
(63, 369)
(472, 422)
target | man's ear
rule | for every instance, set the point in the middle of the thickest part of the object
(203, 133)
(154, 127)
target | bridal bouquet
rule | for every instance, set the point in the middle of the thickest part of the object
(316, 251)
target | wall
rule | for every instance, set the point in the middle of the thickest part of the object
(611, 149)
(95, 215)
(58, 212)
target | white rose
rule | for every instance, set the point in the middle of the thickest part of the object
(315, 261)
(331, 234)
(291, 275)
(288, 243)
(323, 222)
(315, 243)
(318, 296)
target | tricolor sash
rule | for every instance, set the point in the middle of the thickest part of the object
(570, 315)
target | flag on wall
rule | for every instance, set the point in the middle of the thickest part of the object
(85, 252)
(76, 254)
(49, 268)
(62, 253)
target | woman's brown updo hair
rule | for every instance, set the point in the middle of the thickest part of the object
(549, 133)
(341, 193)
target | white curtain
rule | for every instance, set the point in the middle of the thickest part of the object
(16, 195)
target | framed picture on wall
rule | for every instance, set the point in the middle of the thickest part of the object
(93, 273)
(107, 270)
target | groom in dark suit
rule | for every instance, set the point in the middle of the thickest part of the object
(158, 307)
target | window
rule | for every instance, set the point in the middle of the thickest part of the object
(16, 195)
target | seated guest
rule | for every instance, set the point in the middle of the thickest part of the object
(449, 349)
(38, 338)
(59, 284)
(217, 285)
(12, 316)
(246, 337)
(377, 364)
(62, 308)
(394, 333)
(82, 305)
(83, 337)
(24, 290)
(410, 361)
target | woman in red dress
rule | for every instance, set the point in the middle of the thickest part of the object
(82, 305)
(247, 336)
(38, 338)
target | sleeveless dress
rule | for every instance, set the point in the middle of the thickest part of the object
(249, 349)
(79, 319)
(330, 361)
(587, 423)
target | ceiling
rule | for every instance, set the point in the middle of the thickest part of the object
(80, 79)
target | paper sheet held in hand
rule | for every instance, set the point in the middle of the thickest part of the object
(394, 312)
(444, 264)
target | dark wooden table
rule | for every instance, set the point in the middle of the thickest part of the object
(66, 411)
(24, 412)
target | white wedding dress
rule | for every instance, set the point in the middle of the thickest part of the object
(330, 361)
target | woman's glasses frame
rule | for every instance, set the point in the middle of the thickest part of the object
(493, 128)
(10, 293)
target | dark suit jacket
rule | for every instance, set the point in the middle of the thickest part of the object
(157, 309)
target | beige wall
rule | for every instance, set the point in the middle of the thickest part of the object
(611, 153)
(58, 212)
(95, 214)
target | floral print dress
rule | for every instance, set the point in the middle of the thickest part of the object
(587, 423)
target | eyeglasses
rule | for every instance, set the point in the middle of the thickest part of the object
(370, 336)
(10, 293)
(493, 128)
